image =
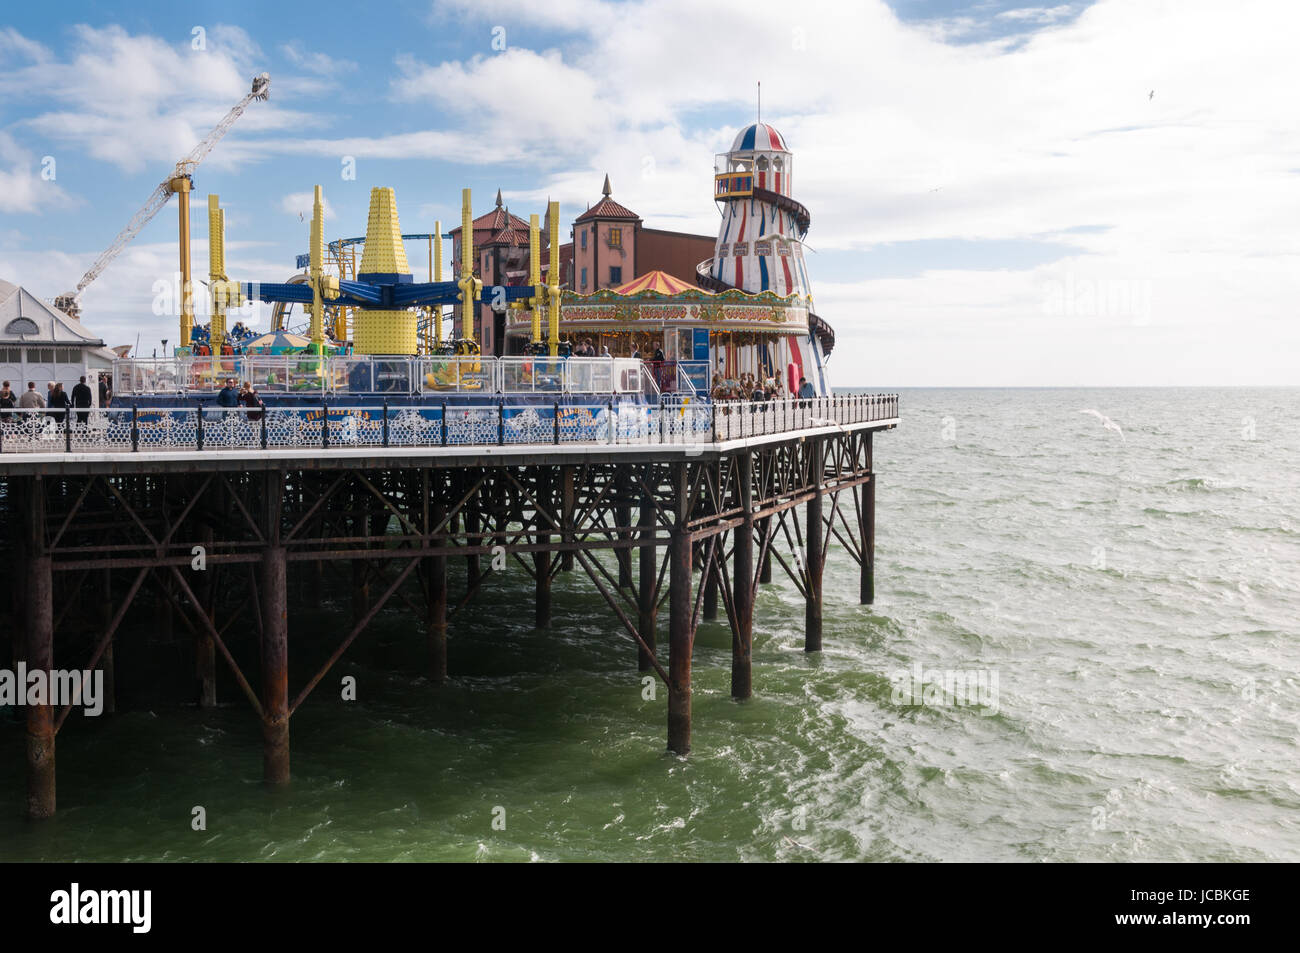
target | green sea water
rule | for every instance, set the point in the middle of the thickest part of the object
(1137, 598)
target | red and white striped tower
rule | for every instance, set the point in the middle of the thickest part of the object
(760, 239)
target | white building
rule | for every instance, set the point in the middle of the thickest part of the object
(40, 343)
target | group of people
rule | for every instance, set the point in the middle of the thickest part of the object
(749, 387)
(585, 348)
(244, 396)
(56, 403)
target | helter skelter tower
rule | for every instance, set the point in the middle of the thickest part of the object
(760, 239)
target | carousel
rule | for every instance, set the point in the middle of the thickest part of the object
(692, 339)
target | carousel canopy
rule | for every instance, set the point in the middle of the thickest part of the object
(658, 281)
(277, 342)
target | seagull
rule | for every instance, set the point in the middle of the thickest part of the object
(1106, 422)
(1151, 95)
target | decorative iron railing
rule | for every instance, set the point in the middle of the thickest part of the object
(199, 426)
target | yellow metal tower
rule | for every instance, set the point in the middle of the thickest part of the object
(384, 332)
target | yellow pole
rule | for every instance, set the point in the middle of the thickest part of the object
(181, 185)
(317, 272)
(437, 276)
(535, 276)
(553, 279)
(471, 288)
(217, 273)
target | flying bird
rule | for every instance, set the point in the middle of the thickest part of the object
(1106, 422)
(1151, 95)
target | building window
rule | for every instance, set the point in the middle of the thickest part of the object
(584, 274)
(762, 163)
(584, 243)
(616, 275)
(68, 355)
(40, 355)
(616, 238)
(11, 355)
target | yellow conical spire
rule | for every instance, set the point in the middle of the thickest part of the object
(384, 332)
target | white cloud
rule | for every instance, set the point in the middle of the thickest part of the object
(27, 183)
(301, 204)
(1037, 14)
(137, 101)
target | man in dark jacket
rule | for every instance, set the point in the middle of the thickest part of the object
(81, 397)
(228, 396)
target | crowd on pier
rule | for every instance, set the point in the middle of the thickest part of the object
(749, 387)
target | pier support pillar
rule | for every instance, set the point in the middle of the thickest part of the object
(812, 639)
(360, 573)
(205, 649)
(275, 667)
(742, 581)
(436, 607)
(623, 518)
(542, 559)
(568, 504)
(868, 535)
(765, 570)
(647, 565)
(473, 564)
(39, 619)
(710, 581)
(680, 634)
(106, 662)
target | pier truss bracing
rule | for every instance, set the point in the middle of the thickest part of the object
(666, 538)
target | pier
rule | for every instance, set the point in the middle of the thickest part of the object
(671, 511)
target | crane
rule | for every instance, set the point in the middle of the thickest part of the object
(179, 182)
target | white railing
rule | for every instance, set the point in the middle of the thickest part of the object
(306, 374)
(200, 426)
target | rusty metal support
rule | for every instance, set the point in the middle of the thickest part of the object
(436, 618)
(40, 653)
(275, 667)
(680, 634)
(205, 650)
(647, 564)
(568, 504)
(275, 638)
(742, 637)
(711, 596)
(107, 662)
(814, 553)
(542, 557)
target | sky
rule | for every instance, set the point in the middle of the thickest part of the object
(1086, 193)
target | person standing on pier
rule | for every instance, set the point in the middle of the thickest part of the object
(59, 403)
(82, 398)
(228, 396)
(8, 401)
(31, 399)
(248, 398)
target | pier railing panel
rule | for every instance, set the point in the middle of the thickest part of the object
(566, 419)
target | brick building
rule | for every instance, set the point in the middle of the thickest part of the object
(609, 245)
